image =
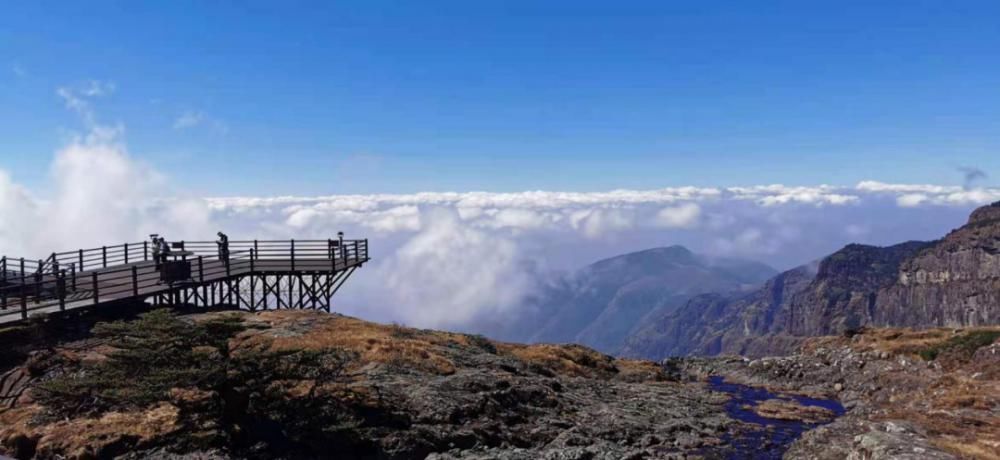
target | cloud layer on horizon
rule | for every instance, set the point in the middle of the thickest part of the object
(447, 259)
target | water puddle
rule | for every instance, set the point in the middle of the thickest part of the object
(774, 436)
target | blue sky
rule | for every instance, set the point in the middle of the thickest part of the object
(362, 97)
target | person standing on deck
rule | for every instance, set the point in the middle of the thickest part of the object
(223, 248)
(164, 250)
(156, 249)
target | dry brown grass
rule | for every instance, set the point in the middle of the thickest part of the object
(426, 350)
(984, 449)
(386, 344)
(895, 340)
(782, 409)
(88, 437)
(634, 370)
(579, 361)
(955, 406)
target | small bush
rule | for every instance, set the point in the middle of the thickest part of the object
(482, 343)
(153, 354)
(963, 345)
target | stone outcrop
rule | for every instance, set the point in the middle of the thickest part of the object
(900, 403)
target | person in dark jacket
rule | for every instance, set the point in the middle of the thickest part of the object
(223, 248)
(164, 250)
(155, 240)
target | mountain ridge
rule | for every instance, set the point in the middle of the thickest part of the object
(953, 281)
(602, 303)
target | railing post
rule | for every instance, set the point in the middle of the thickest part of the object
(93, 283)
(80, 259)
(104, 256)
(145, 250)
(24, 300)
(343, 251)
(55, 264)
(24, 292)
(38, 280)
(227, 269)
(72, 271)
(293, 255)
(252, 253)
(3, 283)
(61, 289)
(135, 281)
(255, 250)
(126, 253)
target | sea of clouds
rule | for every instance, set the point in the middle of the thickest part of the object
(447, 259)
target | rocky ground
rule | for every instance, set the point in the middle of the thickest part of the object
(909, 394)
(298, 384)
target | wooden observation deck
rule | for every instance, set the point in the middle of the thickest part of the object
(256, 275)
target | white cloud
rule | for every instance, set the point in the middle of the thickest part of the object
(446, 275)
(189, 120)
(194, 118)
(77, 98)
(682, 216)
(97, 193)
(598, 223)
(910, 200)
(911, 195)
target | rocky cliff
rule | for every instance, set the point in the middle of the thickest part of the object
(954, 281)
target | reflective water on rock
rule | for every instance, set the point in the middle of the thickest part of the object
(765, 438)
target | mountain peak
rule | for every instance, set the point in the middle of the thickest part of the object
(984, 214)
(649, 257)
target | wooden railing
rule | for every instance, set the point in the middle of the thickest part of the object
(113, 272)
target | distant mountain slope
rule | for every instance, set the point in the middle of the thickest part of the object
(954, 281)
(601, 304)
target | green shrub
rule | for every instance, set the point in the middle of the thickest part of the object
(153, 354)
(249, 392)
(964, 345)
(482, 343)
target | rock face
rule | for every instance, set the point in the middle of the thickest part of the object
(600, 305)
(954, 281)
